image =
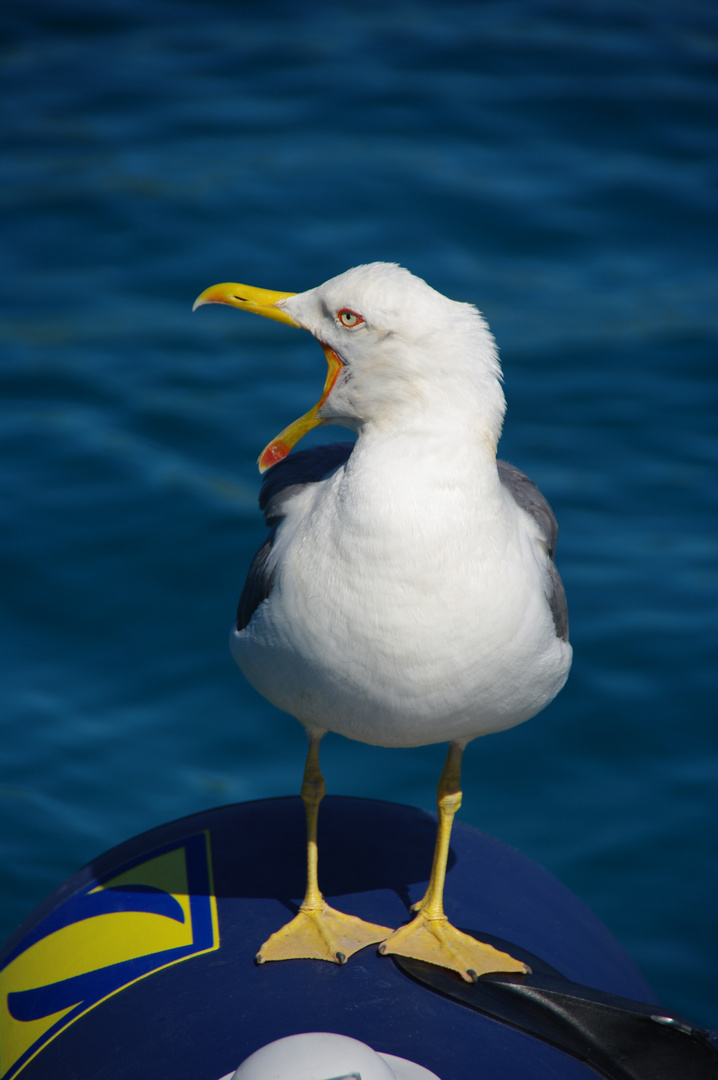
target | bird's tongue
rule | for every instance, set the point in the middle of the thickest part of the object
(280, 446)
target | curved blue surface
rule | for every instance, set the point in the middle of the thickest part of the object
(198, 1018)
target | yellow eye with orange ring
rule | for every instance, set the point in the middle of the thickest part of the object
(349, 318)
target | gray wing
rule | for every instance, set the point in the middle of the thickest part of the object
(282, 482)
(529, 498)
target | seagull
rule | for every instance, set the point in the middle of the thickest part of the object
(406, 593)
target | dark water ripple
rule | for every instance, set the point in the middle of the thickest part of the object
(554, 163)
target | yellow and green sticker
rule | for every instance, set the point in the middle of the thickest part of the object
(145, 915)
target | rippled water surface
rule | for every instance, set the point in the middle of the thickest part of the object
(555, 163)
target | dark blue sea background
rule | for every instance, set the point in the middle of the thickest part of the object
(552, 161)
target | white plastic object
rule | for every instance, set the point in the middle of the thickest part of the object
(323, 1055)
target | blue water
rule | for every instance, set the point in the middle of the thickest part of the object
(553, 162)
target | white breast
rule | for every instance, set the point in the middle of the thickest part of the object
(408, 605)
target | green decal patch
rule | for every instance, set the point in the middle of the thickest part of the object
(145, 915)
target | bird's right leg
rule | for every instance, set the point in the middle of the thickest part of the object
(430, 936)
(318, 931)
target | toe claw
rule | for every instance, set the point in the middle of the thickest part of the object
(435, 941)
(321, 933)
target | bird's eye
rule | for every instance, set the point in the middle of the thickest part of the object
(349, 318)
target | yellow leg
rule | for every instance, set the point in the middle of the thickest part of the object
(318, 931)
(430, 936)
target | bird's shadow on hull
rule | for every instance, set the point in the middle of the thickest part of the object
(364, 845)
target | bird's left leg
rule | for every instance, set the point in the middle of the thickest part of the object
(318, 931)
(430, 936)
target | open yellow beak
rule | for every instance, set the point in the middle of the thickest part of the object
(264, 302)
(247, 298)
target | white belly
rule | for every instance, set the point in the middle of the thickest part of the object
(393, 633)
